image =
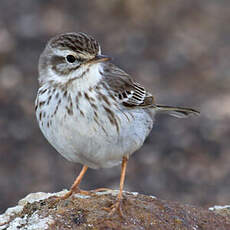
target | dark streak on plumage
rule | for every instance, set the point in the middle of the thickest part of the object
(78, 42)
(79, 94)
(86, 96)
(112, 96)
(82, 113)
(73, 79)
(104, 98)
(105, 85)
(48, 101)
(94, 106)
(71, 107)
(124, 95)
(69, 99)
(41, 103)
(63, 72)
(56, 109)
(127, 117)
(85, 72)
(42, 91)
(99, 97)
(137, 97)
(65, 93)
(76, 100)
(112, 118)
(69, 110)
(95, 114)
(40, 116)
(91, 99)
(55, 60)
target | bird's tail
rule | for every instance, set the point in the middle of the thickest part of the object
(179, 112)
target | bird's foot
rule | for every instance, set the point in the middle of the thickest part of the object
(116, 207)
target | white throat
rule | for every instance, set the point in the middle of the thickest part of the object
(83, 78)
(87, 76)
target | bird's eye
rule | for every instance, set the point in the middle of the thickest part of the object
(70, 58)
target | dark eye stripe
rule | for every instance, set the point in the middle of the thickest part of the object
(63, 72)
(80, 59)
(55, 60)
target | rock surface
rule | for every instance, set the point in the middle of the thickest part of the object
(43, 211)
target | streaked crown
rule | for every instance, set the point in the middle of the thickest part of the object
(78, 42)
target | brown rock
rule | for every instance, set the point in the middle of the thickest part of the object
(44, 211)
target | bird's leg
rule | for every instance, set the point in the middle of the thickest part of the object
(117, 206)
(74, 188)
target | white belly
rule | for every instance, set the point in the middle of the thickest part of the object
(80, 139)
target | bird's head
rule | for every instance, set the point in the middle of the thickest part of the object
(67, 56)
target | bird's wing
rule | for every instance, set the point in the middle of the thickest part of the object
(129, 93)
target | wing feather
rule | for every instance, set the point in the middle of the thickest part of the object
(128, 92)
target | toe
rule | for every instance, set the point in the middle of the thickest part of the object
(116, 208)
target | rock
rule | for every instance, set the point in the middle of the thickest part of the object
(40, 211)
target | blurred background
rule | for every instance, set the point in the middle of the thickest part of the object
(180, 50)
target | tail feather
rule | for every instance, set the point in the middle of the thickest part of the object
(179, 112)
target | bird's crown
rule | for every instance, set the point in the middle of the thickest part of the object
(77, 42)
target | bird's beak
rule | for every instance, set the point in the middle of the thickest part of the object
(100, 58)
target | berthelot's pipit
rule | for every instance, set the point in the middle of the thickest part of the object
(91, 111)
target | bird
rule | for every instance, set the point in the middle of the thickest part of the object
(91, 111)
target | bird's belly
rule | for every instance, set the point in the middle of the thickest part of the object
(97, 143)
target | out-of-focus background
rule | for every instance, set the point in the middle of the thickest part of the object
(180, 50)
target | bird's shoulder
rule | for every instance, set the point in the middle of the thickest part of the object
(128, 92)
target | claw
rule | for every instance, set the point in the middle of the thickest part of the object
(116, 207)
